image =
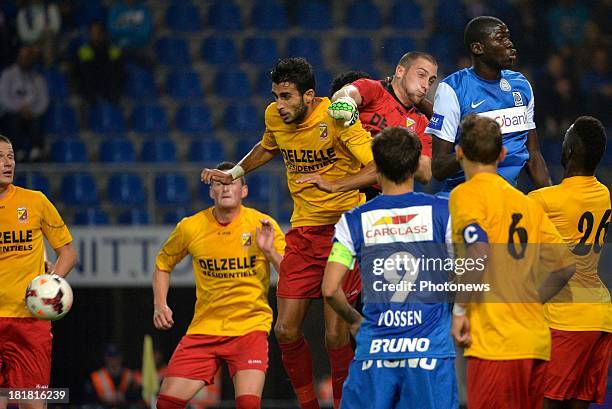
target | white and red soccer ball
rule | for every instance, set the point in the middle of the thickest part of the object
(49, 297)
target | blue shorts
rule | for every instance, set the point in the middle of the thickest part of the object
(413, 383)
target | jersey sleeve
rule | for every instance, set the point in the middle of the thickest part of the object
(279, 238)
(343, 235)
(468, 217)
(531, 109)
(52, 225)
(268, 141)
(173, 250)
(370, 90)
(358, 141)
(447, 114)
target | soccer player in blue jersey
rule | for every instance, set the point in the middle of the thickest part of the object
(404, 356)
(491, 89)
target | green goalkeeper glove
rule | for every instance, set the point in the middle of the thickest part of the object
(344, 108)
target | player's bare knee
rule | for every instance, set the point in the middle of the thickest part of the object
(335, 337)
(285, 334)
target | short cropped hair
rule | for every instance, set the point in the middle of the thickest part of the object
(478, 28)
(297, 71)
(409, 58)
(480, 139)
(589, 142)
(347, 78)
(5, 139)
(227, 165)
(396, 153)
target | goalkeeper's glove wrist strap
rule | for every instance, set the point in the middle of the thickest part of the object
(237, 172)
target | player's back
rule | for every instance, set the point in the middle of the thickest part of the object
(580, 209)
(393, 237)
(506, 322)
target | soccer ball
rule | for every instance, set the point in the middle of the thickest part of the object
(49, 297)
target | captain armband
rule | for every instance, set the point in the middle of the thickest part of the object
(341, 254)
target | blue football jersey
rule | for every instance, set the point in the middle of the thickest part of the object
(508, 100)
(403, 246)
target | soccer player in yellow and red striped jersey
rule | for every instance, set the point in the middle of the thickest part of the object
(26, 217)
(232, 247)
(581, 330)
(326, 164)
(504, 331)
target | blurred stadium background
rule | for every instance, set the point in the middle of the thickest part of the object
(193, 93)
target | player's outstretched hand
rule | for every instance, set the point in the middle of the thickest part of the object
(215, 175)
(162, 317)
(265, 236)
(460, 331)
(318, 181)
(344, 108)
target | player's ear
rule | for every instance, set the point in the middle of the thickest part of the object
(502, 155)
(244, 192)
(309, 96)
(399, 71)
(477, 48)
(458, 153)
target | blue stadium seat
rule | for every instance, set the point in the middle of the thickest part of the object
(106, 118)
(355, 51)
(243, 146)
(150, 118)
(34, 181)
(117, 150)
(171, 189)
(224, 15)
(140, 84)
(243, 118)
(323, 81)
(56, 84)
(232, 83)
(194, 119)
(87, 12)
(78, 189)
(71, 150)
(445, 49)
(306, 47)
(260, 50)
(219, 50)
(184, 85)
(158, 150)
(183, 17)
(263, 85)
(393, 48)
(269, 15)
(314, 15)
(133, 216)
(206, 150)
(125, 189)
(172, 51)
(551, 150)
(407, 15)
(91, 216)
(60, 119)
(176, 214)
(363, 15)
(260, 186)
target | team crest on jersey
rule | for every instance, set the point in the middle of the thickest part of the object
(322, 130)
(246, 239)
(410, 123)
(504, 85)
(518, 99)
(22, 215)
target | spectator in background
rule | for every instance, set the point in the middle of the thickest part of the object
(596, 83)
(113, 384)
(99, 67)
(6, 41)
(566, 21)
(130, 24)
(24, 99)
(38, 23)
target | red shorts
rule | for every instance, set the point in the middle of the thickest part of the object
(302, 267)
(200, 356)
(25, 353)
(511, 384)
(578, 367)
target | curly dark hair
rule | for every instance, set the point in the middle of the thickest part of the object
(297, 71)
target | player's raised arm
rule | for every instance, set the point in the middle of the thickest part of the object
(536, 166)
(344, 105)
(257, 157)
(443, 162)
(266, 241)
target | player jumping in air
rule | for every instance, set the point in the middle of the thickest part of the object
(580, 209)
(384, 236)
(232, 247)
(326, 163)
